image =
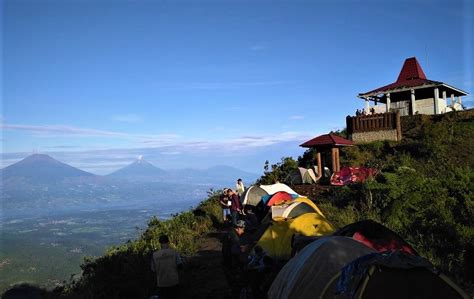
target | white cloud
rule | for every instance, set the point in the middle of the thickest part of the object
(61, 130)
(173, 153)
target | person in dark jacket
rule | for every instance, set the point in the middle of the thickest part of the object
(234, 256)
(235, 205)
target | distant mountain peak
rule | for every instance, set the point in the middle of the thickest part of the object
(42, 167)
(139, 169)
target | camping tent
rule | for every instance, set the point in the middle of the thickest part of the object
(301, 176)
(278, 198)
(276, 240)
(306, 274)
(253, 195)
(376, 236)
(390, 275)
(316, 273)
(272, 189)
(299, 206)
(327, 171)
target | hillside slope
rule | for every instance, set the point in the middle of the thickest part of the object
(424, 193)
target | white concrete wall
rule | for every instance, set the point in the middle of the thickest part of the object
(425, 106)
(442, 105)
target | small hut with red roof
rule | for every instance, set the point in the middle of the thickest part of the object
(326, 143)
(413, 93)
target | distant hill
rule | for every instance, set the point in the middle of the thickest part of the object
(41, 183)
(140, 170)
(216, 176)
(40, 168)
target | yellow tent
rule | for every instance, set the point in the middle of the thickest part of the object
(310, 203)
(297, 207)
(276, 240)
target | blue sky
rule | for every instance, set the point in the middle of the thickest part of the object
(200, 83)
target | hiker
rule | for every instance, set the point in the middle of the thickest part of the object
(225, 204)
(235, 205)
(239, 187)
(372, 110)
(232, 249)
(358, 113)
(233, 255)
(165, 264)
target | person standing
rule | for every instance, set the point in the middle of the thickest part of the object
(239, 187)
(165, 264)
(234, 255)
(225, 204)
(235, 205)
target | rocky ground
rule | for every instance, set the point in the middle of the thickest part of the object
(203, 275)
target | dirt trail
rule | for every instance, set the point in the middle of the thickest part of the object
(203, 275)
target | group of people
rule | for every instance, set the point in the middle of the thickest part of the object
(230, 202)
(363, 112)
(246, 270)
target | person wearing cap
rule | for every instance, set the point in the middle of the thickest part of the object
(233, 254)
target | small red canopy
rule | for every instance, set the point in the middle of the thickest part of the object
(326, 140)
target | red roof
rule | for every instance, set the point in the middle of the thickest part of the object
(411, 75)
(327, 139)
(411, 70)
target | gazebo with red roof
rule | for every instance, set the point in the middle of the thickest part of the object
(325, 143)
(413, 93)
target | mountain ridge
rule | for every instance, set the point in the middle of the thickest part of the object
(42, 168)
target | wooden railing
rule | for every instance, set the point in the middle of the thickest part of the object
(373, 122)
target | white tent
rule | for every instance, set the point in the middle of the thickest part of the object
(301, 176)
(253, 195)
(272, 189)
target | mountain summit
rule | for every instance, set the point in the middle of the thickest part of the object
(139, 170)
(42, 168)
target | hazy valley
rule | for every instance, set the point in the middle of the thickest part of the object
(53, 215)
